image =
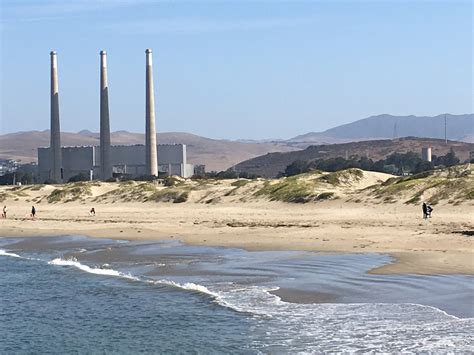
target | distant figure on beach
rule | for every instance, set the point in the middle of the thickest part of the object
(4, 212)
(33, 211)
(429, 209)
(92, 212)
(424, 207)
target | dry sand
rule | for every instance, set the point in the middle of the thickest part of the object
(434, 246)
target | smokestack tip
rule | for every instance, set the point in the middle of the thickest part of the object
(148, 51)
(102, 52)
(52, 52)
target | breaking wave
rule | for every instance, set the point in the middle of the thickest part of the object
(363, 327)
(91, 270)
(6, 253)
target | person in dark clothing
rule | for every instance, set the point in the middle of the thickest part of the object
(429, 209)
(92, 212)
(33, 211)
(425, 210)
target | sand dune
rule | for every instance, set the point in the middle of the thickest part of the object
(344, 212)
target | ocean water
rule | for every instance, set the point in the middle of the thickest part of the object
(80, 295)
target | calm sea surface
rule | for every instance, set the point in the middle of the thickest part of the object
(80, 295)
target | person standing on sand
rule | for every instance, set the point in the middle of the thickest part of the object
(424, 207)
(92, 212)
(4, 213)
(33, 211)
(429, 209)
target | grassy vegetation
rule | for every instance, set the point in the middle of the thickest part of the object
(453, 185)
(326, 196)
(56, 196)
(129, 191)
(70, 193)
(37, 187)
(169, 195)
(342, 177)
(309, 186)
(291, 189)
(240, 183)
(183, 197)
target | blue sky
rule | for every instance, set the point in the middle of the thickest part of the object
(236, 68)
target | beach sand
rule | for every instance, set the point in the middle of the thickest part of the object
(434, 246)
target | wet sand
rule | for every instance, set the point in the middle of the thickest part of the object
(418, 246)
(292, 276)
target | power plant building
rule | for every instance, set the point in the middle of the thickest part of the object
(128, 160)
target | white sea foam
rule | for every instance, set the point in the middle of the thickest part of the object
(187, 286)
(6, 253)
(365, 327)
(98, 271)
(308, 328)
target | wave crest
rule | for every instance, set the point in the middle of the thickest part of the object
(6, 253)
(92, 270)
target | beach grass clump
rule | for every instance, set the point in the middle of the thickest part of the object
(415, 199)
(288, 190)
(231, 192)
(37, 187)
(326, 196)
(347, 176)
(169, 195)
(56, 195)
(145, 187)
(236, 186)
(240, 183)
(70, 193)
(470, 194)
(183, 197)
(453, 185)
(20, 193)
(307, 187)
(131, 191)
(395, 187)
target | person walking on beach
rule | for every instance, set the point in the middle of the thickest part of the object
(92, 212)
(4, 213)
(33, 211)
(424, 207)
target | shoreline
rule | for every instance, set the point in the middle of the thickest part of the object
(300, 278)
(416, 246)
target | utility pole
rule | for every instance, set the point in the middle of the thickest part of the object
(445, 131)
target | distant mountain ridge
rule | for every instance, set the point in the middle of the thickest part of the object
(272, 164)
(215, 154)
(222, 154)
(459, 128)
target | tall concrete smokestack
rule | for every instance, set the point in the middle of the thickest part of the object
(55, 131)
(105, 164)
(151, 159)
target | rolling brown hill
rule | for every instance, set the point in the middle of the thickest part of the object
(215, 154)
(271, 164)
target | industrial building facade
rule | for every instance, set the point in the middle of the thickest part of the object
(125, 160)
